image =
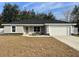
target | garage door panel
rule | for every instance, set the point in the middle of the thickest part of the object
(58, 30)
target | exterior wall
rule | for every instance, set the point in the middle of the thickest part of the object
(74, 30)
(43, 29)
(31, 30)
(19, 29)
(1, 30)
(49, 29)
(8, 29)
(22, 29)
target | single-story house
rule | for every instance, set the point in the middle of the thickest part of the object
(40, 26)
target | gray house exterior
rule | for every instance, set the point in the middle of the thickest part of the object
(40, 26)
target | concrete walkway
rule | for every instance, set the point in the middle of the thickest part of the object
(72, 41)
(37, 35)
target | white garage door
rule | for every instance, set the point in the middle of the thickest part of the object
(58, 30)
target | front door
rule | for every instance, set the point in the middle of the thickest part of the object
(26, 29)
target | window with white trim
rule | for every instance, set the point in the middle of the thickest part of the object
(13, 28)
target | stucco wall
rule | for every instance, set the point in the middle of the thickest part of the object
(8, 29)
(74, 30)
(51, 29)
(30, 30)
(19, 29)
(43, 29)
(1, 30)
(47, 29)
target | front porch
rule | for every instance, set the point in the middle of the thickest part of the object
(34, 30)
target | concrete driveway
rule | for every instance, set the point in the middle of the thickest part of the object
(72, 41)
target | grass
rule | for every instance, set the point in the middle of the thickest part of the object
(34, 46)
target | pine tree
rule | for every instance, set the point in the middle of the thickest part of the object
(10, 12)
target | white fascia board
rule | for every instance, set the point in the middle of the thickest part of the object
(25, 24)
(60, 24)
(42, 24)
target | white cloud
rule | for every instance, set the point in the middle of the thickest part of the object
(26, 5)
(55, 5)
(49, 6)
(42, 6)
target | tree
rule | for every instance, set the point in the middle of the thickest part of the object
(75, 16)
(1, 21)
(50, 16)
(33, 13)
(10, 12)
(67, 15)
(41, 16)
(27, 14)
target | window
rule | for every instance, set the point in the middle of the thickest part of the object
(13, 28)
(36, 29)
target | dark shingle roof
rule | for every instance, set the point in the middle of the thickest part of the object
(35, 21)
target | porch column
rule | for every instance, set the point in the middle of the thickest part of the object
(24, 33)
(30, 29)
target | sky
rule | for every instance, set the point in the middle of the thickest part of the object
(57, 8)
